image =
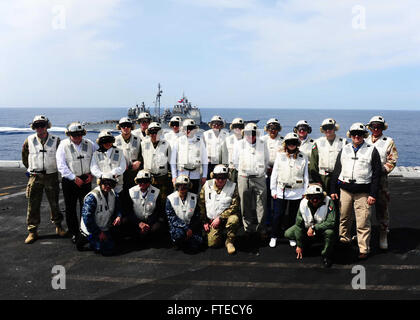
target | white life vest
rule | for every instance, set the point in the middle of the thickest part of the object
(290, 171)
(172, 137)
(155, 160)
(274, 146)
(319, 216)
(189, 153)
(328, 153)
(107, 164)
(78, 161)
(139, 134)
(251, 158)
(130, 149)
(42, 157)
(382, 145)
(183, 210)
(356, 168)
(230, 142)
(144, 207)
(214, 144)
(215, 202)
(104, 210)
(306, 146)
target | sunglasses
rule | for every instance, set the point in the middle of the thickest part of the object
(237, 126)
(220, 176)
(376, 126)
(183, 186)
(217, 123)
(153, 131)
(109, 183)
(359, 133)
(39, 125)
(106, 140)
(304, 128)
(140, 181)
(125, 125)
(190, 128)
(174, 124)
(314, 196)
(328, 127)
(144, 121)
(76, 134)
(292, 142)
(273, 127)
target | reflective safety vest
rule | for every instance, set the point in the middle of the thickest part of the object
(155, 160)
(183, 209)
(382, 145)
(214, 145)
(42, 156)
(78, 161)
(251, 158)
(328, 153)
(230, 143)
(189, 153)
(172, 137)
(319, 216)
(356, 167)
(215, 202)
(274, 146)
(107, 164)
(104, 210)
(290, 171)
(144, 207)
(306, 146)
(139, 134)
(130, 149)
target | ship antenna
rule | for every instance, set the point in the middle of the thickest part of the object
(157, 102)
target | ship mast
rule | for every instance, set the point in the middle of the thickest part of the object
(157, 102)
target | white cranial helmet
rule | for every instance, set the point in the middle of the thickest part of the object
(378, 119)
(291, 136)
(75, 127)
(358, 126)
(188, 123)
(273, 121)
(183, 179)
(105, 135)
(40, 118)
(302, 123)
(220, 169)
(144, 115)
(125, 120)
(236, 121)
(142, 174)
(216, 118)
(314, 189)
(329, 121)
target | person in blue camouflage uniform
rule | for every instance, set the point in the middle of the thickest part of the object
(184, 234)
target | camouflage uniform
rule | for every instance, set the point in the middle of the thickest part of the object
(229, 220)
(34, 191)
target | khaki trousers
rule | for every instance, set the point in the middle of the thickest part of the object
(34, 191)
(215, 236)
(358, 202)
(253, 195)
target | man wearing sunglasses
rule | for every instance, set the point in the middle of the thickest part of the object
(74, 156)
(143, 120)
(303, 129)
(175, 125)
(101, 214)
(315, 221)
(357, 175)
(213, 139)
(219, 207)
(324, 153)
(389, 156)
(39, 157)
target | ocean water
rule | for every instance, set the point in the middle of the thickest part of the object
(403, 125)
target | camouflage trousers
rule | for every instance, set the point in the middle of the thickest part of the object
(34, 192)
(215, 236)
(382, 202)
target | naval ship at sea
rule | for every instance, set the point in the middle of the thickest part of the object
(183, 108)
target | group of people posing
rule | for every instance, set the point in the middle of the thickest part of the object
(199, 188)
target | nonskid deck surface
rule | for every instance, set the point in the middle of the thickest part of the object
(159, 272)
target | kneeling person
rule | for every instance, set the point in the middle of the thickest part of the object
(219, 206)
(315, 221)
(184, 216)
(145, 207)
(100, 213)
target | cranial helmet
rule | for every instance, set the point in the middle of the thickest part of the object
(358, 126)
(107, 176)
(125, 120)
(175, 119)
(236, 121)
(302, 123)
(105, 135)
(40, 118)
(272, 121)
(189, 123)
(291, 136)
(153, 125)
(314, 188)
(220, 169)
(327, 122)
(216, 118)
(144, 115)
(75, 127)
(142, 174)
(183, 179)
(378, 119)
(250, 127)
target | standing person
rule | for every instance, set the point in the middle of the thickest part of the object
(315, 221)
(175, 125)
(289, 181)
(274, 144)
(39, 157)
(213, 139)
(250, 157)
(129, 144)
(156, 153)
(73, 161)
(324, 154)
(357, 173)
(389, 156)
(101, 214)
(145, 206)
(108, 158)
(219, 206)
(236, 128)
(143, 120)
(303, 129)
(183, 215)
(189, 157)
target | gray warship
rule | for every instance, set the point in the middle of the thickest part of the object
(183, 108)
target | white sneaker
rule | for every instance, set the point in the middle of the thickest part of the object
(383, 240)
(273, 242)
(292, 243)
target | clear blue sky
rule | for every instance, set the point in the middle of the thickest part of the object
(221, 53)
